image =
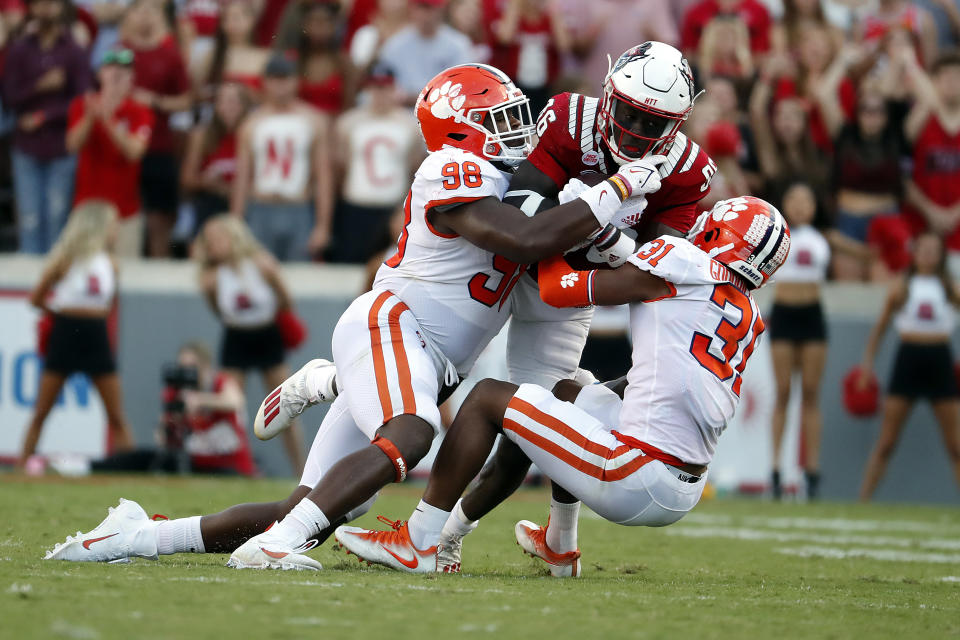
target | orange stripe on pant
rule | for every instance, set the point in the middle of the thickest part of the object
(400, 355)
(574, 461)
(376, 345)
(572, 435)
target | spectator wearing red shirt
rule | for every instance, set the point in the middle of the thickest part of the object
(753, 13)
(210, 163)
(528, 40)
(933, 126)
(327, 77)
(161, 83)
(109, 132)
(45, 69)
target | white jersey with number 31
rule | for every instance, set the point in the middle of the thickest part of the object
(689, 351)
(458, 292)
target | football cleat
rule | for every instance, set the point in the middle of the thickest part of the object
(448, 556)
(269, 551)
(125, 533)
(285, 403)
(532, 538)
(392, 548)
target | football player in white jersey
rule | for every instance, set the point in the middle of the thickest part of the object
(641, 461)
(433, 308)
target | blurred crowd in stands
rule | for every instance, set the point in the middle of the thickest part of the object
(295, 114)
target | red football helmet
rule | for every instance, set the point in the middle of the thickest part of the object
(476, 108)
(746, 234)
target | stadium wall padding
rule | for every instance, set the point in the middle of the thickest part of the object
(160, 308)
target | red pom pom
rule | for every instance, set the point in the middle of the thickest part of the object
(44, 327)
(862, 402)
(292, 329)
(891, 235)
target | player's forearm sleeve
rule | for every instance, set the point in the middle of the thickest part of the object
(563, 286)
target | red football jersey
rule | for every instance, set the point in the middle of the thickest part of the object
(570, 144)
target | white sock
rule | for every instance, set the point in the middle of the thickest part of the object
(302, 523)
(458, 525)
(179, 536)
(562, 532)
(320, 383)
(425, 525)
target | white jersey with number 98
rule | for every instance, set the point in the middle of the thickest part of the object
(459, 293)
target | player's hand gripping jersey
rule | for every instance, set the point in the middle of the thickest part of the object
(708, 321)
(458, 292)
(570, 143)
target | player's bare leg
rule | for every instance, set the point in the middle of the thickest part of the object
(225, 531)
(108, 386)
(354, 480)
(466, 446)
(946, 412)
(413, 545)
(49, 388)
(895, 412)
(813, 358)
(784, 361)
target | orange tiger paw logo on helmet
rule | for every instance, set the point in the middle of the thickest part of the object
(446, 101)
(729, 209)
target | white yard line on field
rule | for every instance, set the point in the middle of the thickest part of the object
(834, 524)
(745, 533)
(890, 555)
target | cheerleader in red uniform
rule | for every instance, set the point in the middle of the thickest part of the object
(77, 289)
(923, 309)
(243, 285)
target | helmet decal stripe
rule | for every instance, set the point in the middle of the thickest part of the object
(771, 240)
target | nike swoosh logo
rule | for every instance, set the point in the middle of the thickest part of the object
(409, 564)
(276, 555)
(602, 193)
(87, 543)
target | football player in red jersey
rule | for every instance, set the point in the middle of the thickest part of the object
(647, 95)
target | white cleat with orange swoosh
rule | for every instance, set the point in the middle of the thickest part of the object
(392, 548)
(269, 551)
(126, 532)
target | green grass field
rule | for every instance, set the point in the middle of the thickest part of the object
(731, 569)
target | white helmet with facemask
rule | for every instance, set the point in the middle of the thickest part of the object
(647, 95)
